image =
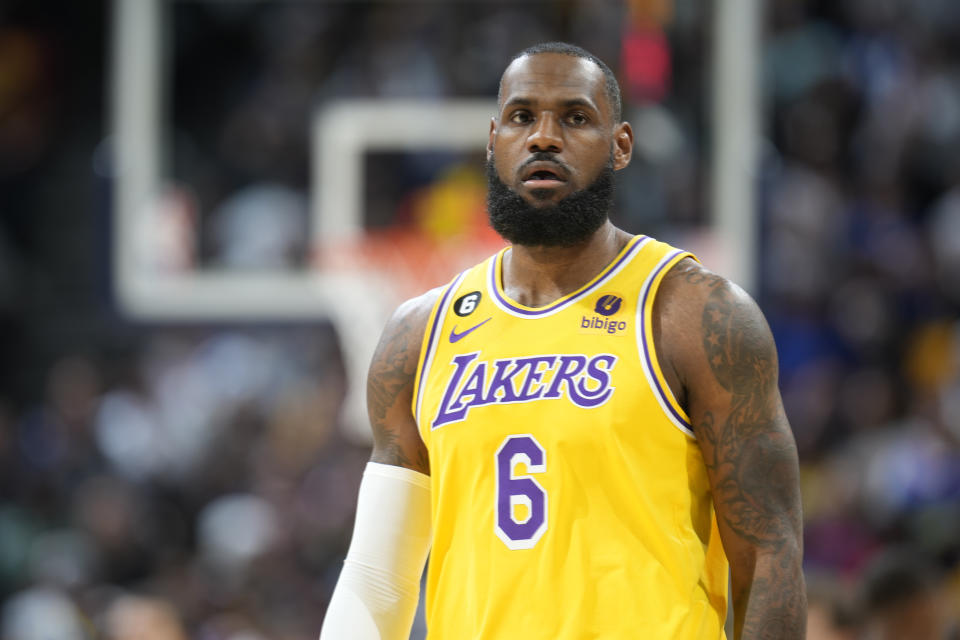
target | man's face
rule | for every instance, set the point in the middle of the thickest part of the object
(554, 134)
(552, 152)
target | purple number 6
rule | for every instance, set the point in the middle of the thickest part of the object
(513, 490)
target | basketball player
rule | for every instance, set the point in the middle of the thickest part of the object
(586, 428)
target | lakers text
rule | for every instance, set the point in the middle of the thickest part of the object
(583, 380)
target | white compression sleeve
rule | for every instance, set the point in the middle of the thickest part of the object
(376, 595)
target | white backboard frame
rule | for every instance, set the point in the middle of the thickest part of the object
(343, 132)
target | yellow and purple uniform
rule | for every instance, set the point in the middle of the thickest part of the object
(569, 496)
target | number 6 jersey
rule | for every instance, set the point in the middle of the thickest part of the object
(570, 499)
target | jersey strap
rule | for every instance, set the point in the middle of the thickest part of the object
(428, 347)
(648, 353)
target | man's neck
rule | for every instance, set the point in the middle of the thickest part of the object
(535, 276)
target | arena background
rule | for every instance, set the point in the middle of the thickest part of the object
(207, 207)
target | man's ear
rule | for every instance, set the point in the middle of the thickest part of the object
(622, 145)
(493, 133)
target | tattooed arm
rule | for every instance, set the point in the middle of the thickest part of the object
(722, 363)
(396, 440)
(376, 594)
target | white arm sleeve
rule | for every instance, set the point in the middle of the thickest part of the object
(376, 595)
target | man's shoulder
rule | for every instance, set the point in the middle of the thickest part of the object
(395, 359)
(411, 317)
(420, 305)
(685, 287)
(416, 311)
(688, 286)
(706, 318)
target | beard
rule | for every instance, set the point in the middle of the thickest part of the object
(566, 223)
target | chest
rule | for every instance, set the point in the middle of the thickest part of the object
(578, 357)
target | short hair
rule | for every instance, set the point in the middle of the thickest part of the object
(565, 48)
(896, 576)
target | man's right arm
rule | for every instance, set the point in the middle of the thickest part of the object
(396, 440)
(376, 595)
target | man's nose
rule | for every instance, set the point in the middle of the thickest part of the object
(546, 135)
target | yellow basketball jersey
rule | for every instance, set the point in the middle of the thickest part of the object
(570, 499)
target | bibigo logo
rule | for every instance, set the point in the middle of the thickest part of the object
(602, 321)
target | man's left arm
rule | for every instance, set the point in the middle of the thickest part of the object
(729, 373)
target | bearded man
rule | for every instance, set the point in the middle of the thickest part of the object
(584, 432)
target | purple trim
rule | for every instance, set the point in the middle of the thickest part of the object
(643, 336)
(433, 332)
(495, 268)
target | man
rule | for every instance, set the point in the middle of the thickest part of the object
(585, 427)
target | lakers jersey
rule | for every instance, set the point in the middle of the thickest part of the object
(569, 496)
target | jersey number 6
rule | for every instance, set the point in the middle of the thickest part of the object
(520, 531)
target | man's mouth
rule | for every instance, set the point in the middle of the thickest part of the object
(544, 175)
(539, 176)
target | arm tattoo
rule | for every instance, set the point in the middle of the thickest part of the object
(391, 371)
(389, 394)
(750, 454)
(389, 450)
(693, 273)
(749, 449)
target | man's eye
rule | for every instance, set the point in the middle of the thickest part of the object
(578, 118)
(520, 117)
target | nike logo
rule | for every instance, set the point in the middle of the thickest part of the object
(456, 337)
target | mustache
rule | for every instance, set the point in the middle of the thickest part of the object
(563, 224)
(544, 156)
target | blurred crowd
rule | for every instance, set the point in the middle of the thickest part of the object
(192, 481)
(861, 203)
(198, 492)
